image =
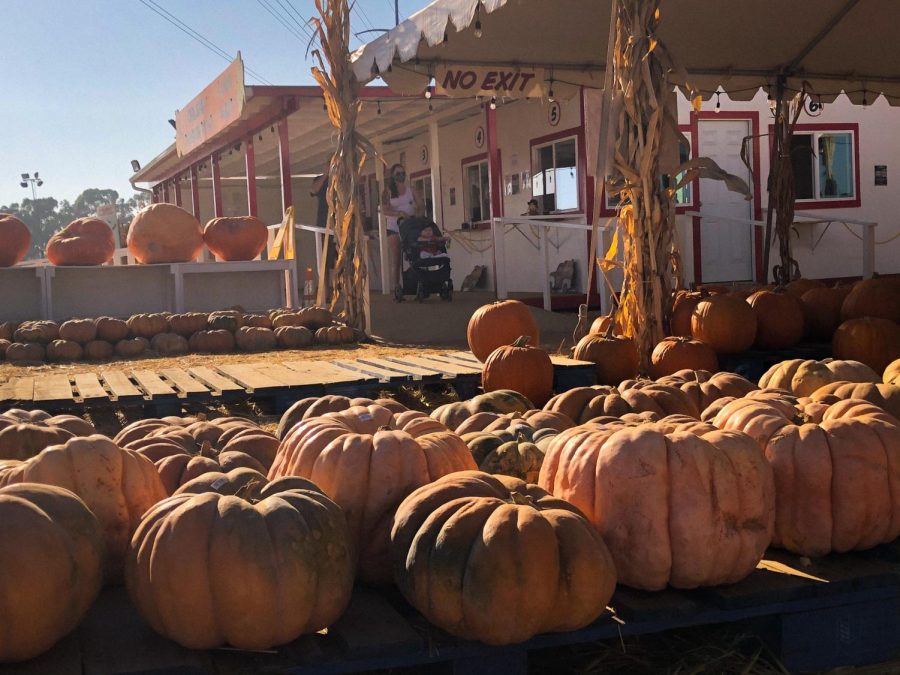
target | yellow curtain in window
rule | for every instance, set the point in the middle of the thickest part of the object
(829, 144)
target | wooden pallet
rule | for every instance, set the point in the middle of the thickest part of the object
(166, 390)
(839, 610)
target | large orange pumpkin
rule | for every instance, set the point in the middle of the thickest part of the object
(878, 297)
(873, 341)
(522, 368)
(885, 396)
(822, 311)
(779, 316)
(499, 324)
(616, 357)
(494, 559)
(51, 567)
(836, 480)
(583, 404)
(236, 238)
(682, 309)
(117, 485)
(673, 354)
(682, 506)
(724, 322)
(367, 460)
(84, 241)
(252, 571)
(164, 233)
(804, 376)
(15, 240)
(703, 387)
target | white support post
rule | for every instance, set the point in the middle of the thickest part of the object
(435, 155)
(497, 229)
(320, 240)
(868, 250)
(545, 263)
(382, 224)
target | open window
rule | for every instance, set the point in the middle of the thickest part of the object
(555, 180)
(477, 191)
(826, 166)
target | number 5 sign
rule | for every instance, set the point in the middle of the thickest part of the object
(553, 113)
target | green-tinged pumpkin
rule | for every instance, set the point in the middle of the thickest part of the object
(493, 559)
(507, 453)
(252, 571)
(51, 567)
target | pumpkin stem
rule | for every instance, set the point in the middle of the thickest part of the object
(520, 499)
(206, 450)
(521, 341)
(248, 489)
(609, 329)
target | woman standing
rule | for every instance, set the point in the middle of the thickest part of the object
(398, 201)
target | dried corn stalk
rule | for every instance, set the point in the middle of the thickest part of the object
(641, 97)
(340, 87)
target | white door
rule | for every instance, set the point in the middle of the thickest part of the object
(726, 246)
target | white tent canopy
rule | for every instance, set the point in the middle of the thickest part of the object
(736, 46)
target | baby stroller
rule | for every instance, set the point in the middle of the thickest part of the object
(426, 265)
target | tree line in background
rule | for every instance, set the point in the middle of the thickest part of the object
(46, 215)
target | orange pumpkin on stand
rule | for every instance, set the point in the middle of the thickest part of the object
(15, 240)
(164, 233)
(84, 241)
(236, 238)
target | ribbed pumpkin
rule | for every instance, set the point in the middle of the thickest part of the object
(21, 440)
(212, 342)
(500, 401)
(51, 567)
(15, 240)
(117, 485)
(835, 480)
(111, 330)
(84, 241)
(682, 308)
(873, 341)
(615, 356)
(81, 331)
(147, 325)
(682, 353)
(822, 311)
(499, 324)
(164, 233)
(131, 348)
(799, 287)
(892, 373)
(98, 350)
(522, 368)
(681, 509)
(255, 339)
(494, 559)
(703, 387)
(804, 376)
(25, 352)
(316, 406)
(293, 337)
(779, 316)
(37, 331)
(368, 460)
(876, 297)
(187, 324)
(169, 344)
(507, 453)
(64, 350)
(885, 396)
(236, 237)
(252, 571)
(335, 335)
(583, 404)
(724, 322)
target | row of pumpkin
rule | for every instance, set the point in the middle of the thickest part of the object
(159, 233)
(218, 332)
(683, 482)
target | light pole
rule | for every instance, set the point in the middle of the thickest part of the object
(36, 180)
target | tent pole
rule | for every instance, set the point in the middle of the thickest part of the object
(601, 171)
(773, 168)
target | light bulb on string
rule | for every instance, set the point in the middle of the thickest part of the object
(718, 107)
(378, 107)
(478, 32)
(428, 92)
(865, 100)
(550, 92)
(493, 102)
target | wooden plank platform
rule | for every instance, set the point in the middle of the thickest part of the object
(281, 383)
(821, 614)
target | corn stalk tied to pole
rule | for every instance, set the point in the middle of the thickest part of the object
(641, 99)
(349, 282)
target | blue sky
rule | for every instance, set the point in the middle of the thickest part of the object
(89, 85)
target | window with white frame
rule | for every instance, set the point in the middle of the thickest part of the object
(823, 164)
(477, 191)
(422, 187)
(683, 195)
(554, 181)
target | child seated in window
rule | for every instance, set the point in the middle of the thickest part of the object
(430, 243)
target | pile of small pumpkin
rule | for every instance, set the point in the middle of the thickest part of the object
(219, 332)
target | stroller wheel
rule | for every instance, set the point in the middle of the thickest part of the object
(398, 294)
(447, 294)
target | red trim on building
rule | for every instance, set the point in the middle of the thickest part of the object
(284, 156)
(250, 162)
(809, 204)
(753, 117)
(218, 212)
(195, 193)
(418, 174)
